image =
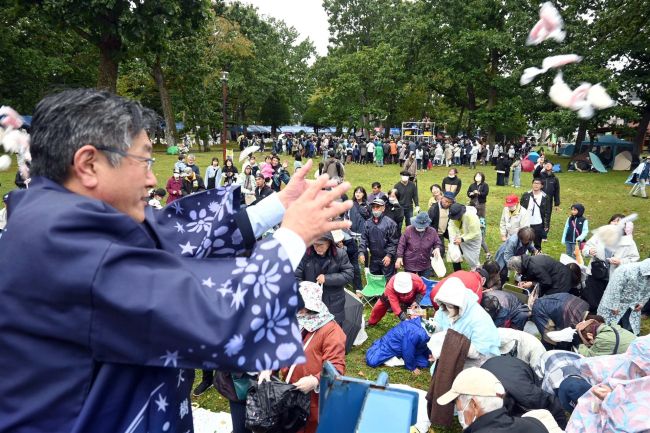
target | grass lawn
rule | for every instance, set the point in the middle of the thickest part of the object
(601, 194)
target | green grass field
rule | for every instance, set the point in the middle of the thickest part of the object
(601, 194)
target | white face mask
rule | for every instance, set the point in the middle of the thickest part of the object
(420, 229)
(477, 179)
(393, 201)
(461, 416)
(376, 213)
(452, 176)
(176, 175)
(405, 179)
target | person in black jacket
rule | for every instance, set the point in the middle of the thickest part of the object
(478, 396)
(439, 216)
(379, 238)
(262, 190)
(477, 193)
(522, 392)
(324, 263)
(551, 187)
(394, 210)
(408, 196)
(551, 275)
(503, 164)
(452, 182)
(539, 209)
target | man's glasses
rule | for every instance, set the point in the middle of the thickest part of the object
(148, 161)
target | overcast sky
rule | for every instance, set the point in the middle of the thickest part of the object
(307, 16)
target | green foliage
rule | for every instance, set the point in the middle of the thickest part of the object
(275, 111)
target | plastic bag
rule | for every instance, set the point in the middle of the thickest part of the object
(276, 407)
(438, 266)
(454, 254)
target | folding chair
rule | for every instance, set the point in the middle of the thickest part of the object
(375, 285)
(522, 294)
(429, 284)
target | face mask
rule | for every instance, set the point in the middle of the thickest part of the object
(176, 175)
(393, 201)
(420, 229)
(405, 178)
(477, 179)
(461, 417)
(376, 213)
(451, 176)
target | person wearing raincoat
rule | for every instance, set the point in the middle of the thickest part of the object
(628, 288)
(460, 311)
(465, 231)
(619, 400)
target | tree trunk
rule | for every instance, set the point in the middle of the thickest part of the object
(460, 120)
(492, 95)
(166, 103)
(109, 50)
(274, 129)
(641, 131)
(582, 133)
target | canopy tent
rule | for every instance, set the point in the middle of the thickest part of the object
(623, 161)
(395, 131)
(616, 144)
(258, 129)
(568, 150)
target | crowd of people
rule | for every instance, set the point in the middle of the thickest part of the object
(580, 306)
(131, 298)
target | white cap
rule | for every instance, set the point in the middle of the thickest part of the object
(402, 283)
(473, 381)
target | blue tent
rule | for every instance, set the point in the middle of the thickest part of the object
(612, 141)
(568, 151)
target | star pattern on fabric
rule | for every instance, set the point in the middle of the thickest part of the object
(187, 248)
(161, 402)
(179, 227)
(225, 289)
(238, 297)
(208, 283)
(177, 207)
(170, 358)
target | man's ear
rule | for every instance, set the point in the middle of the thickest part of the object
(84, 166)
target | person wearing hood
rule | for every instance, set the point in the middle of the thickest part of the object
(328, 265)
(459, 310)
(323, 340)
(379, 239)
(478, 397)
(513, 217)
(408, 196)
(576, 229)
(465, 231)
(626, 293)
(475, 280)
(417, 246)
(452, 182)
(403, 291)
(174, 187)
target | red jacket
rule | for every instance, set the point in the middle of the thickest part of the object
(174, 189)
(471, 279)
(395, 299)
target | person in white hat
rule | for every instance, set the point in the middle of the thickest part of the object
(479, 401)
(404, 290)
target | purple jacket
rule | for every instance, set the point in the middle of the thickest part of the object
(415, 248)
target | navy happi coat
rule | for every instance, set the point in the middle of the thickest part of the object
(102, 319)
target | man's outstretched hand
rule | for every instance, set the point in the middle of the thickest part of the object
(311, 213)
(298, 184)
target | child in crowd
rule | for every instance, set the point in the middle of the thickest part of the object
(575, 229)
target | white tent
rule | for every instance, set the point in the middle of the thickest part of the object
(623, 161)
